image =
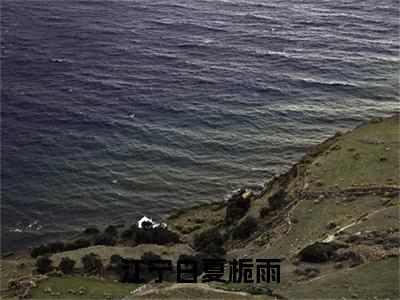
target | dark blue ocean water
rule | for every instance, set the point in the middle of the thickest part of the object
(116, 109)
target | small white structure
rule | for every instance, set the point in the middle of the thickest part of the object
(153, 224)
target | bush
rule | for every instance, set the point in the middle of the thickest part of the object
(56, 247)
(115, 259)
(257, 289)
(211, 236)
(43, 264)
(41, 250)
(112, 230)
(91, 231)
(276, 200)
(213, 251)
(317, 252)
(92, 263)
(66, 265)
(236, 208)
(308, 272)
(130, 233)
(339, 265)
(245, 228)
(116, 263)
(264, 211)
(157, 235)
(105, 239)
(331, 225)
(80, 243)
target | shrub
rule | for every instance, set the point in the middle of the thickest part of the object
(112, 230)
(157, 235)
(264, 211)
(202, 240)
(105, 239)
(116, 263)
(236, 208)
(130, 232)
(56, 247)
(80, 243)
(331, 225)
(308, 272)
(91, 231)
(244, 229)
(277, 199)
(317, 252)
(66, 265)
(92, 263)
(40, 250)
(55, 273)
(257, 289)
(339, 265)
(115, 259)
(213, 251)
(43, 264)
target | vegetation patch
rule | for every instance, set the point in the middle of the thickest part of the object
(277, 199)
(236, 208)
(318, 252)
(245, 229)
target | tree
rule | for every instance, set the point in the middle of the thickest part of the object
(79, 243)
(236, 208)
(264, 211)
(213, 251)
(43, 264)
(92, 263)
(202, 240)
(66, 265)
(111, 230)
(56, 247)
(276, 200)
(244, 229)
(318, 252)
(157, 235)
(130, 233)
(41, 250)
(115, 259)
(105, 239)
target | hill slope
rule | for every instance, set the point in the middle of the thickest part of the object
(333, 219)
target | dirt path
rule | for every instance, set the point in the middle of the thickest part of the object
(331, 237)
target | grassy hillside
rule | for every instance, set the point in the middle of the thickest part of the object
(333, 219)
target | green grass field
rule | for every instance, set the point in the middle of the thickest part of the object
(93, 288)
(366, 156)
(378, 279)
